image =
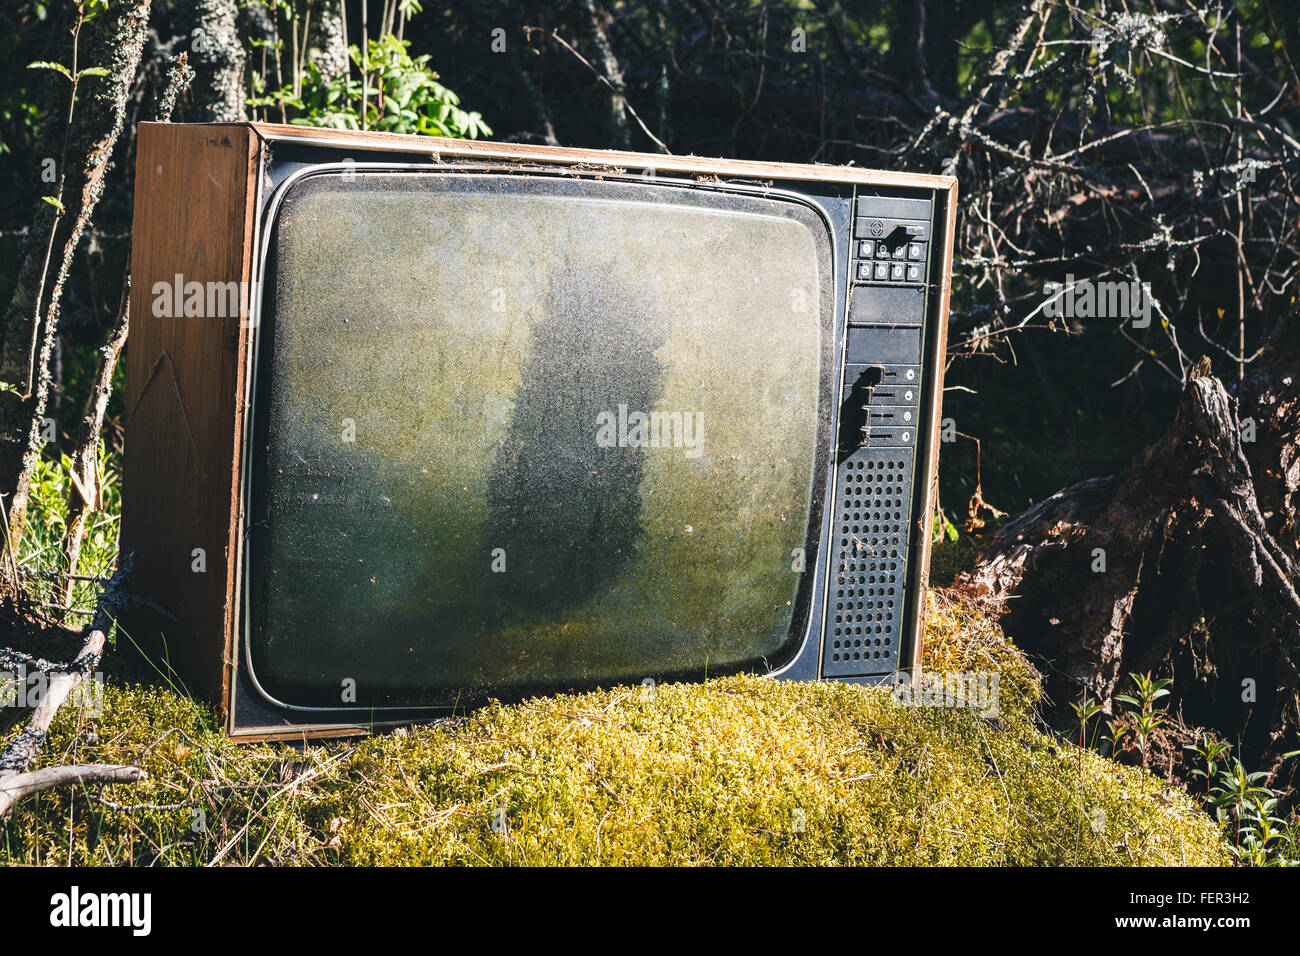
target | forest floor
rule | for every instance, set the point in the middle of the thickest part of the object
(740, 770)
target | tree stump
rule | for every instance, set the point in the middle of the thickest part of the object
(1185, 564)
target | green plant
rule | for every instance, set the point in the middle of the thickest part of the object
(86, 11)
(1236, 787)
(944, 528)
(41, 554)
(1147, 718)
(395, 94)
(1116, 731)
(1265, 834)
(1085, 712)
(1238, 800)
(1210, 750)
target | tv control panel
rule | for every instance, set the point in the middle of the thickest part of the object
(884, 338)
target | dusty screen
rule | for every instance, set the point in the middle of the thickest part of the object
(517, 433)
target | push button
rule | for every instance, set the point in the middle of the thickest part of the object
(866, 248)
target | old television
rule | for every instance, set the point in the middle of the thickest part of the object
(414, 423)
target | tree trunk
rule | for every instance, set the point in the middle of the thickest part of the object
(603, 57)
(325, 40)
(1185, 564)
(217, 56)
(113, 40)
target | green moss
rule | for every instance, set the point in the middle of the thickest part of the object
(950, 558)
(742, 770)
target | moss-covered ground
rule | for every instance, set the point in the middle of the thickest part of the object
(741, 770)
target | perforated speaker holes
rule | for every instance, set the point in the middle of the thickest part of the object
(866, 598)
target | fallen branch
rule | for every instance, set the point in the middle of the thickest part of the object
(15, 781)
(14, 788)
(12, 660)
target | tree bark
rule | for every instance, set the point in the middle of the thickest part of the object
(620, 134)
(1185, 564)
(325, 40)
(217, 56)
(114, 41)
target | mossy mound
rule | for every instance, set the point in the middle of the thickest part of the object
(742, 770)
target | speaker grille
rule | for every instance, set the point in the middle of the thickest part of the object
(869, 553)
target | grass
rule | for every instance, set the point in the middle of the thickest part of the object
(743, 770)
(42, 544)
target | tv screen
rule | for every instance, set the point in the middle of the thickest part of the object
(521, 432)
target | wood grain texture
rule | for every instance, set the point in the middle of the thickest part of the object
(194, 196)
(519, 152)
(928, 470)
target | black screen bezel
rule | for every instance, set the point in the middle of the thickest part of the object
(803, 631)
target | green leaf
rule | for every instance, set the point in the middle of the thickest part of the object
(92, 71)
(55, 202)
(50, 65)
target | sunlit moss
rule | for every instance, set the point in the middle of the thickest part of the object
(743, 770)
